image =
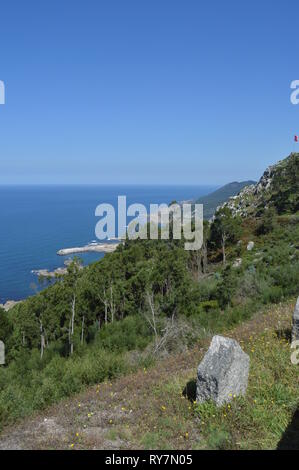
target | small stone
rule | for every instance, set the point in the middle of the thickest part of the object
(223, 372)
(237, 263)
(250, 246)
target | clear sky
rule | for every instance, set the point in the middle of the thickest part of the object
(146, 91)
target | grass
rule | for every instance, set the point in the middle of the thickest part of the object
(259, 420)
(29, 384)
(153, 408)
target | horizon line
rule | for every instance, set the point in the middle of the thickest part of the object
(117, 184)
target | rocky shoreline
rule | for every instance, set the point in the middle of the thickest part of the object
(9, 304)
(47, 273)
(62, 271)
(92, 247)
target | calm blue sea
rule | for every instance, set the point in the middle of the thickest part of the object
(37, 221)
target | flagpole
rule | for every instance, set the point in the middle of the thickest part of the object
(295, 141)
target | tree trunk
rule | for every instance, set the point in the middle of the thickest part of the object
(112, 304)
(42, 341)
(152, 321)
(205, 257)
(106, 313)
(72, 324)
(106, 307)
(82, 330)
(223, 250)
(199, 264)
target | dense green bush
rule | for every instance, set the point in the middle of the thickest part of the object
(29, 383)
(131, 333)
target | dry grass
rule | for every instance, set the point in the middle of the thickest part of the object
(148, 409)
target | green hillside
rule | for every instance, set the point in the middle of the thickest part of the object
(278, 189)
(151, 299)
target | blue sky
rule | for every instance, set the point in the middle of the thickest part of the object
(152, 91)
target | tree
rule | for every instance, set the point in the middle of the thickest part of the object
(153, 317)
(5, 325)
(200, 257)
(225, 229)
(71, 280)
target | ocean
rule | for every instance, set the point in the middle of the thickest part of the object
(37, 221)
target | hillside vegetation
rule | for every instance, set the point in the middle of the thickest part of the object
(216, 198)
(151, 299)
(277, 189)
(154, 408)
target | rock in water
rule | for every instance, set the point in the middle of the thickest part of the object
(295, 331)
(223, 372)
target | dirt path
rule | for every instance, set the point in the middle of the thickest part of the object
(135, 410)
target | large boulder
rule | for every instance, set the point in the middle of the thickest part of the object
(223, 372)
(295, 331)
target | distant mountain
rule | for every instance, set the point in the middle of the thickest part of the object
(277, 188)
(217, 198)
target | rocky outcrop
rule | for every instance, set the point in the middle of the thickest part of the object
(9, 304)
(223, 372)
(50, 274)
(278, 181)
(90, 248)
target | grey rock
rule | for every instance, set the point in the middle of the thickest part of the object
(250, 246)
(237, 263)
(223, 372)
(295, 330)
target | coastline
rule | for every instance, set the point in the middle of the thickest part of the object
(50, 232)
(9, 304)
(90, 248)
(45, 273)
